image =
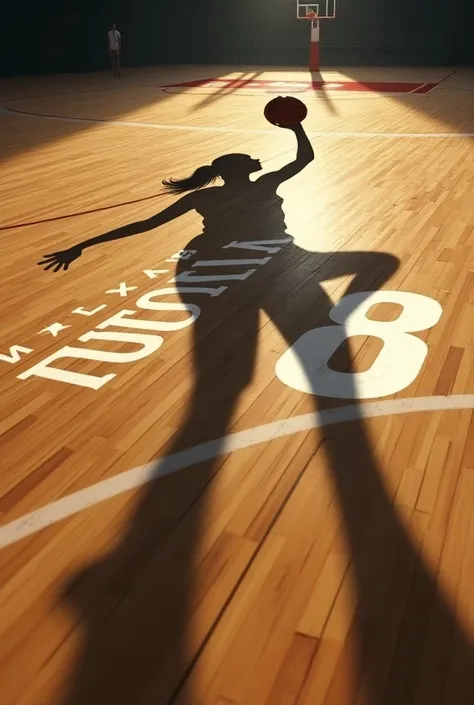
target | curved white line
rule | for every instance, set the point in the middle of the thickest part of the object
(72, 504)
(240, 131)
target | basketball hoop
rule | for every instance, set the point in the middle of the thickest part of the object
(313, 16)
(313, 12)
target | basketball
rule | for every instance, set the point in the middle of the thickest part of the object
(285, 111)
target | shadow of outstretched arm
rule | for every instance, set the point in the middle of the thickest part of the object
(63, 258)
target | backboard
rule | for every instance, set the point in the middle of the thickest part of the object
(324, 9)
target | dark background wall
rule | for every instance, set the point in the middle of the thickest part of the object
(71, 36)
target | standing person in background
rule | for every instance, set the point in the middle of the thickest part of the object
(115, 47)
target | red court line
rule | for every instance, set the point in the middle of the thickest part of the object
(379, 87)
(339, 86)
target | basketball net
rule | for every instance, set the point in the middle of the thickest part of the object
(313, 16)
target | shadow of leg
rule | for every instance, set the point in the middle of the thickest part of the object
(137, 605)
(403, 626)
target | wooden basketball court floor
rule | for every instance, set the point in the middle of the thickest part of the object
(264, 493)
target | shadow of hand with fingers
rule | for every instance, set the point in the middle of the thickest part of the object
(150, 607)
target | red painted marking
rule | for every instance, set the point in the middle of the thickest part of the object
(376, 87)
(300, 86)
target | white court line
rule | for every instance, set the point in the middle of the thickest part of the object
(418, 88)
(112, 487)
(242, 131)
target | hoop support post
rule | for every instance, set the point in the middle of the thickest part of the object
(314, 45)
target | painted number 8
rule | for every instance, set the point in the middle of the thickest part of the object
(304, 366)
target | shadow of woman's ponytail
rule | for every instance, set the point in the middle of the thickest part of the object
(203, 176)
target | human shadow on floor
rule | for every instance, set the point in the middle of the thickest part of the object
(138, 605)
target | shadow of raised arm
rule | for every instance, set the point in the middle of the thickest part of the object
(304, 156)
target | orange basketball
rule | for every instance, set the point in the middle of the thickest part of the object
(285, 111)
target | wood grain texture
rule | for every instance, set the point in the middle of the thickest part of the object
(330, 567)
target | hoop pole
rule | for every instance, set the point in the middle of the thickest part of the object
(314, 46)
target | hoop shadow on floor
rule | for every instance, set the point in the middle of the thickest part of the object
(136, 605)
